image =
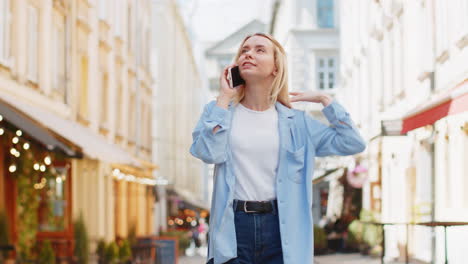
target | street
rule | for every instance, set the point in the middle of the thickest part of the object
(329, 259)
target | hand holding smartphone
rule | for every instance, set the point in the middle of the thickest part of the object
(234, 77)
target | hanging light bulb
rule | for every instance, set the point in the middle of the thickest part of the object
(15, 140)
(12, 168)
(36, 166)
(47, 160)
(26, 146)
(19, 133)
(2, 131)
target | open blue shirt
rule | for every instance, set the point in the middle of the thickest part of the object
(302, 138)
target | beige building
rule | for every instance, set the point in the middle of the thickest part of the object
(80, 70)
(404, 77)
(180, 98)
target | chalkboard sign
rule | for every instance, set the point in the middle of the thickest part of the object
(166, 248)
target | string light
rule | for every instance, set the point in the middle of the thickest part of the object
(19, 133)
(1, 118)
(2, 131)
(15, 140)
(36, 167)
(26, 146)
(12, 168)
(42, 168)
(47, 160)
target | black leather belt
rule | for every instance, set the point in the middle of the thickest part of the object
(256, 206)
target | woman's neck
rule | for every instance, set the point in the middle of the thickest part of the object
(257, 95)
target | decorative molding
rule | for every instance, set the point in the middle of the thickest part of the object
(443, 57)
(424, 75)
(463, 42)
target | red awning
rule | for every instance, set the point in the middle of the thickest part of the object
(453, 102)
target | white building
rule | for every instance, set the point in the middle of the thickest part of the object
(404, 71)
(310, 33)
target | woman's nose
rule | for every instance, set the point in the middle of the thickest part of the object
(248, 54)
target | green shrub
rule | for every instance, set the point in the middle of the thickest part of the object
(101, 250)
(125, 251)
(320, 238)
(112, 253)
(81, 249)
(46, 255)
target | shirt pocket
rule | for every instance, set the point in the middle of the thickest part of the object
(296, 164)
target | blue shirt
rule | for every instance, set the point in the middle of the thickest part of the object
(302, 138)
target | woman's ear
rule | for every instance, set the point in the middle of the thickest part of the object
(275, 72)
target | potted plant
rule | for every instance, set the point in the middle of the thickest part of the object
(112, 253)
(125, 252)
(320, 240)
(46, 255)
(81, 250)
(101, 251)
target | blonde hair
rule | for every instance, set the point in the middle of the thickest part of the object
(280, 91)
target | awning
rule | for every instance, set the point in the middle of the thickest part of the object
(93, 145)
(452, 102)
(35, 130)
(328, 174)
(190, 198)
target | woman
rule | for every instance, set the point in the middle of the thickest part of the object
(263, 151)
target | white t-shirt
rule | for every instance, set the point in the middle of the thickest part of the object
(255, 149)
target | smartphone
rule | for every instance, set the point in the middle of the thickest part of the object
(234, 77)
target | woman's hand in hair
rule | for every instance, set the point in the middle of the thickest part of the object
(226, 93)
(311, 96)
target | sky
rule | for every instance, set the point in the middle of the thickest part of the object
(213, 20)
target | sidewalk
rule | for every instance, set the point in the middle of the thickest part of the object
(328, 259)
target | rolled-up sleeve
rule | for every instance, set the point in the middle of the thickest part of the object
(340, 138)
(208, 146)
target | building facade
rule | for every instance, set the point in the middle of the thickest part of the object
(80, 72)
(179, 100)
(404, 77)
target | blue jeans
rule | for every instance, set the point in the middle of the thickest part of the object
(258, 238)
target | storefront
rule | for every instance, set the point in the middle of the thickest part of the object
(36, 184)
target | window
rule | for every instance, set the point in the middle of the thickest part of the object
(5, 19)
(132, 110)
(119, 105)
(118, 18)
(59, 58)
(102, 9)
(325, 13)
(441, 21)
(33, 29)
(104, 99)
(53, 197)
(130, 29)
(326, 72)
(83, 106)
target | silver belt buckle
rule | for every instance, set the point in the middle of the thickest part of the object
(245, 208)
